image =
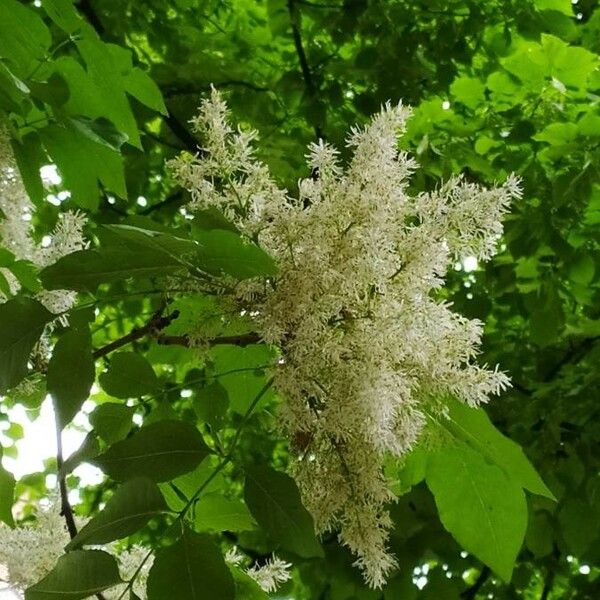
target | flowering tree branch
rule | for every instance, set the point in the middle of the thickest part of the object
(157, 323)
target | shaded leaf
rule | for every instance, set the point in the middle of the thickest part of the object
(274, 501)
(77, 575)
(22, 321)
(191, 569)
(7, 495)
(131, 506)
(71, 373)
(129, 375)
(160, 451)
(112, 422)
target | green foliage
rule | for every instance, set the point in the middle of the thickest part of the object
(129, 375)
(7, 495)
(274, 501)
(132, 505)
(104, 91)
(77, 575)
(463, 483)
(22, 321)
(111, 421)
(72, 354)
(173, 574)
(160, 451)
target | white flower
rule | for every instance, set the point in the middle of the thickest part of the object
(16, 212)
(368, 348)
(268, 576)
(29, 551)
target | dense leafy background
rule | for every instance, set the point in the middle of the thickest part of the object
(104, 91)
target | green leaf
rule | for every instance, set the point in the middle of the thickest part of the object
(129, 375)
(210, 404)
(132, 505)
(473, 426)
(24, 39)
(160, 451)
(578, 525)
(85, 270)
(479, 505)
(105, 72)
(27, 275)
(7, 495)
(142, 87)
(468, 91)
(111, 421)
(100, 131)
(71, 373)
(191, 569)
(225, 252)
(30, 156)
(63, 13)
(214, 512)
(539, 538)
(412, 470)
(77, 575)
(22, 321)
(583, 269)
(563, 6)
(274, 501)
(241, 371)
(84, 164)
(558, 133)
(54, 91)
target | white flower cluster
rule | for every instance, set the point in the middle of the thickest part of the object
(16, 213)
(268, 576)
(30, 551)
(366, 348)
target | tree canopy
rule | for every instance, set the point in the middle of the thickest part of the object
(122, 249)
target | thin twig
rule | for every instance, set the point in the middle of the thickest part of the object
(309, 82)
(241, 340)
(471, 592)
(155, 324)
(66, 509)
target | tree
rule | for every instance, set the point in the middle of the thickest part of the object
(149, 284)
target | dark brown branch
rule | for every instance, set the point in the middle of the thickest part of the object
(471, 592)
(236, 340)
(309, 82)
(66, 509)
(155, 324)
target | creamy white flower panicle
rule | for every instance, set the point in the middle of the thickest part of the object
(29, 552)
(366, 347)
(16, 232)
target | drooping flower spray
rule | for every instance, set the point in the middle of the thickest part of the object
(366, 347)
